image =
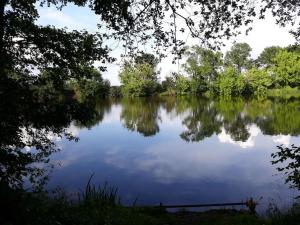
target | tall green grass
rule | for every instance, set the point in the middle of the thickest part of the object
(99, 195)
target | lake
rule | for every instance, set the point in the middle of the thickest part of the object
(182, 150)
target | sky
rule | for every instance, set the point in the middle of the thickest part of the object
(265, 33)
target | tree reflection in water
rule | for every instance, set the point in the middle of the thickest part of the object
(275, 117)
(203, 117)
(141, 115)
(31, 119)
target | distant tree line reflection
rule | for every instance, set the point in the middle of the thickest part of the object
(203, 117)
(31, 118)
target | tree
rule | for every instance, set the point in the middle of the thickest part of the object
(115, 91)
(91, 85)
(23, 44)
(168, 84)
(239, 56)
(26, 47)
(130, 21)
(143, 58)
(139, 76)
(138, 80)
(202, 66)
(268, 54)
(259, 81)
(285, 13)
(182, 84)
(229, 83)
(286, 69)
(293, 48)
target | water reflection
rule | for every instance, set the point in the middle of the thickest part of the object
(33, 118)
(183, 150)
(203, 117)
(176, 150)
(140, 115)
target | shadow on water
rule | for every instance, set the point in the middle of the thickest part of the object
(31, 120)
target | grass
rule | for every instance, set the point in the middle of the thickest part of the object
(106, 195)
(100, 205)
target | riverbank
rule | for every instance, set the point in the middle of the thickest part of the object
(102, 206)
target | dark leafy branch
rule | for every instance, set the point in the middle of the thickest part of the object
(289, 160)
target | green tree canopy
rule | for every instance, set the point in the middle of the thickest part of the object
(259, 81)
(229, 83)
(239, 56)
(268, 54)
(138, 80)
(148, 58)
(182, 84)
(287, 69)
(202, 65)
(90, 85)
(168, 84)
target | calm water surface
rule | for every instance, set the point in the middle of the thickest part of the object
(182, 150)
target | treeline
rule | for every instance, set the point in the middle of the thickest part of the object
(208, 71)
(88, 84)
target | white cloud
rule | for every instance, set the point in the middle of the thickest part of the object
(73, 130)
(249, 143)
(282, 139)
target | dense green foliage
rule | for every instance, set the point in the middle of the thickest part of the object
(286, 69)
(229, 83)
(182, 84)
(258, 81)
(139, 78)
(237, 74)
(239, 56)
(202, 67)
(168, 85)
(266, 57)
(90, 86)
